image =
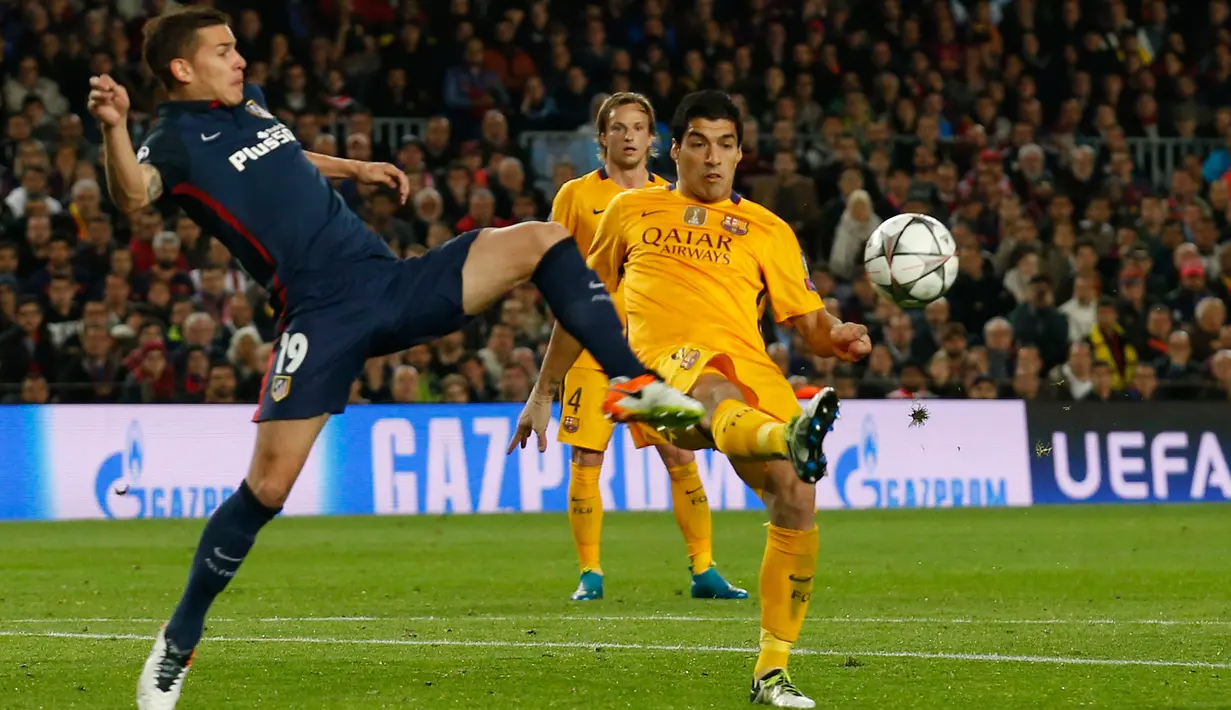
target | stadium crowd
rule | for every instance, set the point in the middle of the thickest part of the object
(1083, 275)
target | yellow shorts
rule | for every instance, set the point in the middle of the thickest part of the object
(760, 381)
(583, 424)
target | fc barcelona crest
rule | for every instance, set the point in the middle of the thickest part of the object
(695, 216)
(257, 110)
(280, 388)
(735, 225)
(571, 425)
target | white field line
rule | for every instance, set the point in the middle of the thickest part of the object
(641, 618)
(539, 645)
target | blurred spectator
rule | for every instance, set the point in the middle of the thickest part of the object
(1112, 346)
(857, 224)
(26, 347)
(151, 377)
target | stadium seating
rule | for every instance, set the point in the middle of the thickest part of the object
(1084, 176)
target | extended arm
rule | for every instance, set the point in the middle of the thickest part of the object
(562, 351)
(385, 174)
(132, 185)
(332, 167)
(828, 336)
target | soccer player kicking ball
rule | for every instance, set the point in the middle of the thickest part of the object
(343, 295)
(626, 129)
(695, 261)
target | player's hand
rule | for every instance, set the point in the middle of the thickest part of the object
(534, 418)
(108, 101)
(850, 341)
(385, 174)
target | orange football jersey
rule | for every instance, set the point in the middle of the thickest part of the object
(696, 273)
(579, 205)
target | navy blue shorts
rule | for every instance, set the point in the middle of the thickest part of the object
(367, 311)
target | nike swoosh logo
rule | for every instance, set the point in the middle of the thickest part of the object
(698, 488)
(599, 211)
(596, 285)
(210, 138)
(793, 578)
(647, 214)
(220, 555)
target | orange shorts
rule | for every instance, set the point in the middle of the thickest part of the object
(583, 423)
(760, 381)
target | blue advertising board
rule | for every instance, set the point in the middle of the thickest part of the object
(115, 461)
(1130, 452)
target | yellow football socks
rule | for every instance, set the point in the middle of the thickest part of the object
(585, 514)
(786, 587)
(692, 514)
(740, 430)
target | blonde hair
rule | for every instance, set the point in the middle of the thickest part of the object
(623, 98)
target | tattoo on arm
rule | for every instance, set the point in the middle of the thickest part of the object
(153, 183)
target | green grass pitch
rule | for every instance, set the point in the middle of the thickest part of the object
(1106, 607)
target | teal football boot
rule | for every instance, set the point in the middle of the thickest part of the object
(590, 588)
(711, 585)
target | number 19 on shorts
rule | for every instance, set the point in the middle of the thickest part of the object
(292, 350)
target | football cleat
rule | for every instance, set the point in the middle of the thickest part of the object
(777, 690)
(805, 435)
(650, 400)
(162, 678)
(590, 588)
(711, 585)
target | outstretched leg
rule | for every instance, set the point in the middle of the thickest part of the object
(544, 253)
(282, 448)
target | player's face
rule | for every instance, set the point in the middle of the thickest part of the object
(217, 69)
(706, 158)
(628, 137)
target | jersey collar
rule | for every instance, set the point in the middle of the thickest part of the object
(171, 106)
(735, 197)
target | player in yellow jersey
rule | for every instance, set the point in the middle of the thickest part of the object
(694, 261)
(626, 130)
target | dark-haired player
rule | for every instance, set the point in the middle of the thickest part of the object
(343, 295)
(695, 262)
(626, 128)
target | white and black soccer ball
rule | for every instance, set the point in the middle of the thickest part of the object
(911, 259)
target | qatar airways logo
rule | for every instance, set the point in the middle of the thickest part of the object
(269, 140)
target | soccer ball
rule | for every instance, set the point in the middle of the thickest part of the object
(911, 259)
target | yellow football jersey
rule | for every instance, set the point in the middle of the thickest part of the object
(579, 205)
(694, 273)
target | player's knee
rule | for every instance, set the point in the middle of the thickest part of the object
(713, 390)
(674, 457)
(532, 242)
(791, 502)
(271, 477)
(549, 234)
(587, 457)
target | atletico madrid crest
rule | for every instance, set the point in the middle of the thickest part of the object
(257, 110)
(735, 225)
(280, 388)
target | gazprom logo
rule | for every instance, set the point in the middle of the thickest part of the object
(123, 490)
(857, 461)
(869, 475)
